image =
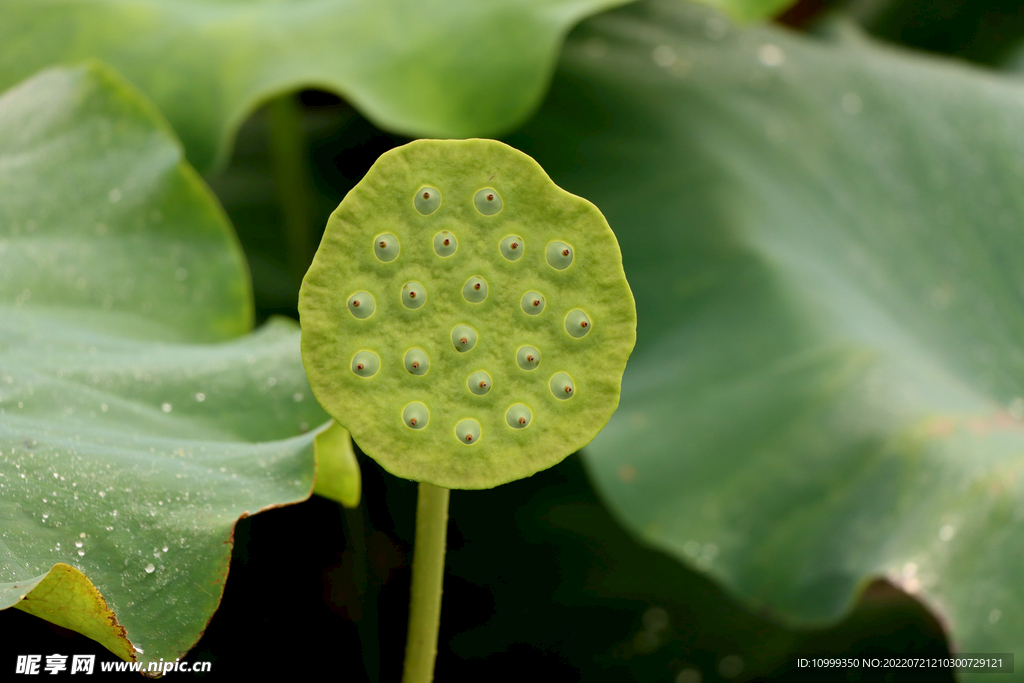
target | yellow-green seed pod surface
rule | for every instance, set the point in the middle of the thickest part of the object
(482, 415)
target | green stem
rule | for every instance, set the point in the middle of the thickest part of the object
(290, 160)
(427, 576)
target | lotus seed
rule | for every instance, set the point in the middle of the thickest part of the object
(577, 324)
(427, 200)
(518, 416)
(416, 415)
(445, 243)
(365, 364)
(417, 362)
(528, 357)
(361, 305)
(532, 303)
(475, 289)
(487, 202)
(413, 294)
(511, 247)
(463, 338)
(479, 383)
(562, 386)
(559, 255)
(468, 431)
(386, 247)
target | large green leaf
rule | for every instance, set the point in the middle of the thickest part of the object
(136, 425)
(441, 69)
(824, 241)
(745, 10)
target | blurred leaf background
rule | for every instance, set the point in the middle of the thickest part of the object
(692, 136)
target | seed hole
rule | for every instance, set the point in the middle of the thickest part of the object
(511, 247)
(416, 361)
(532, 303)
(577, 324)
(468, 431)
(413, 294)
(463, 338)
(365, 364)
(479, 383)
(559, 255)
(487, 202)
(518, 416)
(361, 305)
(475, 289)
(386, 247)
(562, 386)
(528, 357)
(427, 200)
(445, 243)
(416, 415)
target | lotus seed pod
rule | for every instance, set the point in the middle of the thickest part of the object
(463, 338)
(487, 201)
(413, 295)
(558, 255)
(417, 361)
(511, 247)
(532, 303)
(365, 364)
(502, 340)
(518, 416)
(577, 324)
(386, 247)
(416, 415)
(361, 305)
(528, 357)
(562, 386)
(475, 289)
(479, 383)
(468, 431)
(427, 200)
(445, 243)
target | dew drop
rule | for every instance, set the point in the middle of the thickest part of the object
(416, 361)
(416, 415)
(361, 305)
(532, 303)
(487, 201)
(518, 416)
(511, 247)
(577, 324)
(463, 338)
(771, 55)
(150, 568)
(386, 247)
(365, 364)
(664, 56)
(167, 407)
(528, 357)
(479, 383)
(475, 289)
(559, 255)
(562, 386)
(468, 431)
(427, 200)
(445, 243)
(413, 295)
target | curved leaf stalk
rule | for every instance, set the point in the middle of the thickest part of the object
(292, 180)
